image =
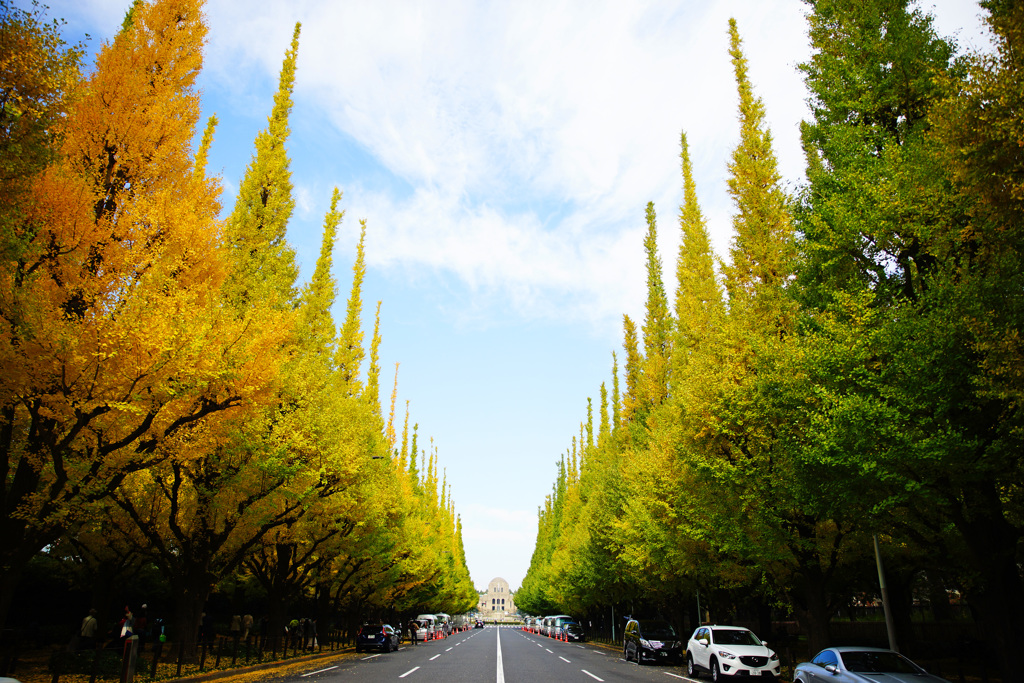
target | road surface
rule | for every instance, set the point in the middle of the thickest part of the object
(498, 654)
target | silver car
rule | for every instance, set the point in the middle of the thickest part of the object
(861, 665)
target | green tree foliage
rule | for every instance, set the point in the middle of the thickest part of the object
(263, 264)
(861, 375)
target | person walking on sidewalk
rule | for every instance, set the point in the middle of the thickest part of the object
(413, 630)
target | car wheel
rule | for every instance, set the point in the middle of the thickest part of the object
(639, 657)
(691, 670)
(715, 675)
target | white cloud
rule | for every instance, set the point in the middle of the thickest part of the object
(531, 134)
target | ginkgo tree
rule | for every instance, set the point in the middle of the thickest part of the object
(169, 388)
(115, 340)
(848, 371)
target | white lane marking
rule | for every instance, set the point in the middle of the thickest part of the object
(434, 657)
(313, 673)
(408, 672)
(564, 659)
(501, 669)
(677, 676)
(451, 648)
(592, 675)
(371, 656)
(549, 651)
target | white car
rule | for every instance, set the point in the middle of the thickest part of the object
(427, 624)
(728, 651)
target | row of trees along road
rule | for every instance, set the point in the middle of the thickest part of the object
(853, 369)
(167, 389)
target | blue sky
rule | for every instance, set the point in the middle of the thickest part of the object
(502, 154)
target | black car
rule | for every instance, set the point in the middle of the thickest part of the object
(649, 640)
(479, 623)
(377, 637)
(574, 632)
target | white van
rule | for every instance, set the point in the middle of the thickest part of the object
(428, 623)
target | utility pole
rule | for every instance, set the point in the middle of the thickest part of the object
(889, 625)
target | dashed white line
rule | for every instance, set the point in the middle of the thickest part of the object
(564, 659)
(451, 648)
(320, 671)
(371, 656)
(408, 672)
(434, 657)
(592, 675)
(549, 651)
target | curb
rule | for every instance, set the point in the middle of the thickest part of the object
(277, 663)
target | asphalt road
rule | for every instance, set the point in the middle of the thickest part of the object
(501, 655)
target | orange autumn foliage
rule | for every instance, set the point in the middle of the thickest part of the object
(113, 334)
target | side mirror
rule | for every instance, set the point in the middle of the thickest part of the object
(832, 668)
(704, 641)
(765, 643)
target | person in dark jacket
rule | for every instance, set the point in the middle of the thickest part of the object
(414, 628)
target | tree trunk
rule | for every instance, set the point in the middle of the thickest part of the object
(1000, 599)
(190, 594)
(938, 597)
(812, 611)
(901, 603)
(9, 580)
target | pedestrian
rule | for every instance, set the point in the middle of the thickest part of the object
(127, 625)
(309, 633)
(246, 626)
(413, 629)
(141, 627)
(87, 633)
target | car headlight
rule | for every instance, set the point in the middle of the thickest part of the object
(644, 643)
(725, 654)
(774, 657)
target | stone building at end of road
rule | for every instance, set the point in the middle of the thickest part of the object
(497, 600)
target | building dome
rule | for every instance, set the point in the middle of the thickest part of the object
(497, 600)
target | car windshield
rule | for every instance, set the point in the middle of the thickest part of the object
(370, 629)
(658, 631)
(734, 636)
(878, 663)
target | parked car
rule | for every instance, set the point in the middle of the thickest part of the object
(651, 640)
(729, 651)
(443, 624)
(554, 623)
(377, 637)
(574, 632)
(861, 665)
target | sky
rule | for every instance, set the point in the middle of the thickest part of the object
(502, 154)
